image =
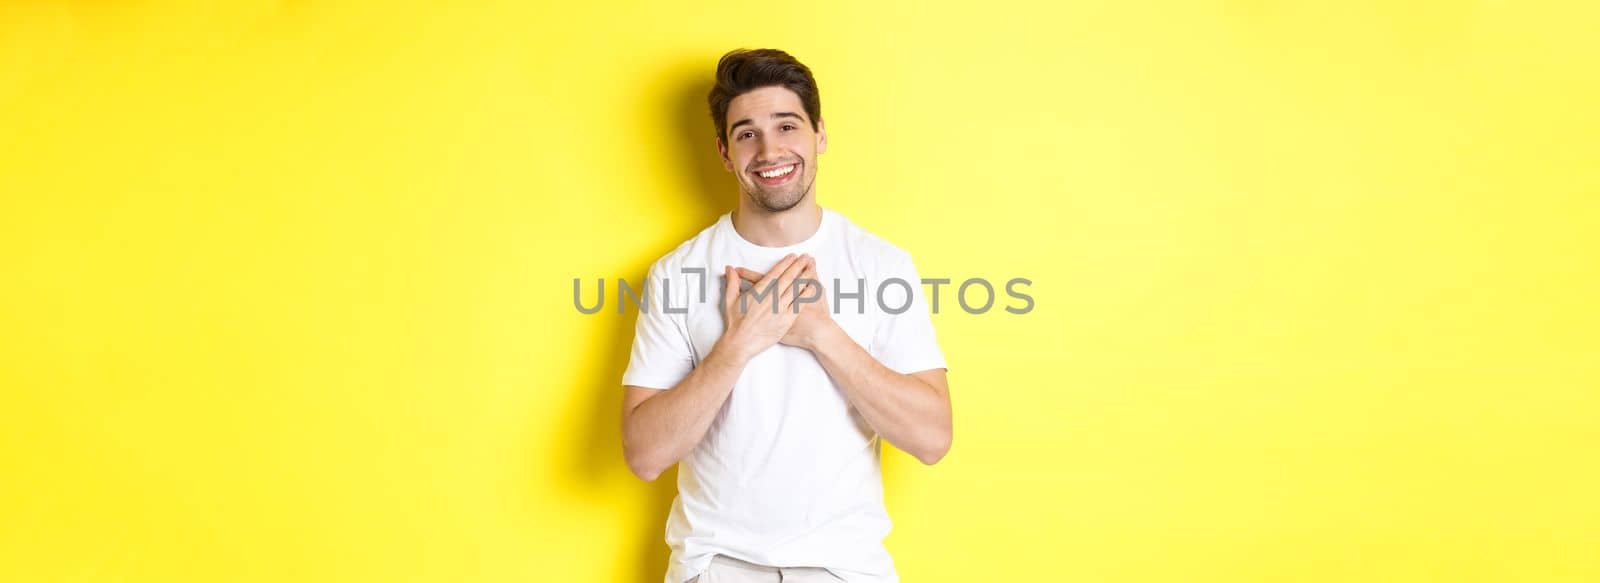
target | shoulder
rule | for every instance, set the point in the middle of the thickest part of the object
(690, 254)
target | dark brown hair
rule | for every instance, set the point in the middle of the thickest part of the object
(744, 70)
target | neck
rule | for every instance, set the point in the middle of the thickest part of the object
(781, 229)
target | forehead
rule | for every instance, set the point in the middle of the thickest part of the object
(759, 104)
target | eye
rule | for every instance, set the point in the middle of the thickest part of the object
(788, 127)
(746, 134)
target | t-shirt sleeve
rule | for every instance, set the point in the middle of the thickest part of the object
(661, 354)
(905, 342)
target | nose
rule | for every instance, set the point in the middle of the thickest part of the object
(770, 152)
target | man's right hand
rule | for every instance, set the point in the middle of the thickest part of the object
(660, 427)
(754, 323)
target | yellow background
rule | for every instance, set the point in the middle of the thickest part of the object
(287, 285)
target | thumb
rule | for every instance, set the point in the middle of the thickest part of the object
(730, 286)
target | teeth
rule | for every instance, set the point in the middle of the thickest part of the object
(776, 172)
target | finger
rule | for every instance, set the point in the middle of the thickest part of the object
(786, 281)
(808, 287)
(748, 275)
(811, 274)
(773, 275)
(730, 286)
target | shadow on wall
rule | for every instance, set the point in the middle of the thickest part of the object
(709, 192)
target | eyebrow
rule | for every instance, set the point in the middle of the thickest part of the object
(777, 115)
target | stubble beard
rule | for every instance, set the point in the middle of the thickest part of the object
(777, 201)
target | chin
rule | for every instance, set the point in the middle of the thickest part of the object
(777, 202)
(778, 206)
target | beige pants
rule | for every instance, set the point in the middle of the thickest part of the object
(731, 570)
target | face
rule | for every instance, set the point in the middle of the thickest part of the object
(771, 148)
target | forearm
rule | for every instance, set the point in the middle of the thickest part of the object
(665, 428)
(909, 413)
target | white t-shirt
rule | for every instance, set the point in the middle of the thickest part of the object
(788, 474)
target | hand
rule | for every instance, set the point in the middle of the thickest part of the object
(815, 321)
(755, 324)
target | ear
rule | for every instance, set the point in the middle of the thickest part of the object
(822, 136)
(722, 151)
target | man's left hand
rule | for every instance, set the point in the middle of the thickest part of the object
(815, 324)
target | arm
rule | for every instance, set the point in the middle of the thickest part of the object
(660, 427)
(911, 411)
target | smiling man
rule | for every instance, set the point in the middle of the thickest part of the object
(774, 396)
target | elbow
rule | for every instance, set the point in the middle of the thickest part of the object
(938, 446)
(646, 473)
(643, 470)
(642, 466)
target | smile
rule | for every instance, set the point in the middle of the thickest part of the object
(777, 175)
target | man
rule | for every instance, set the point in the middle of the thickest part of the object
(773, 398)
